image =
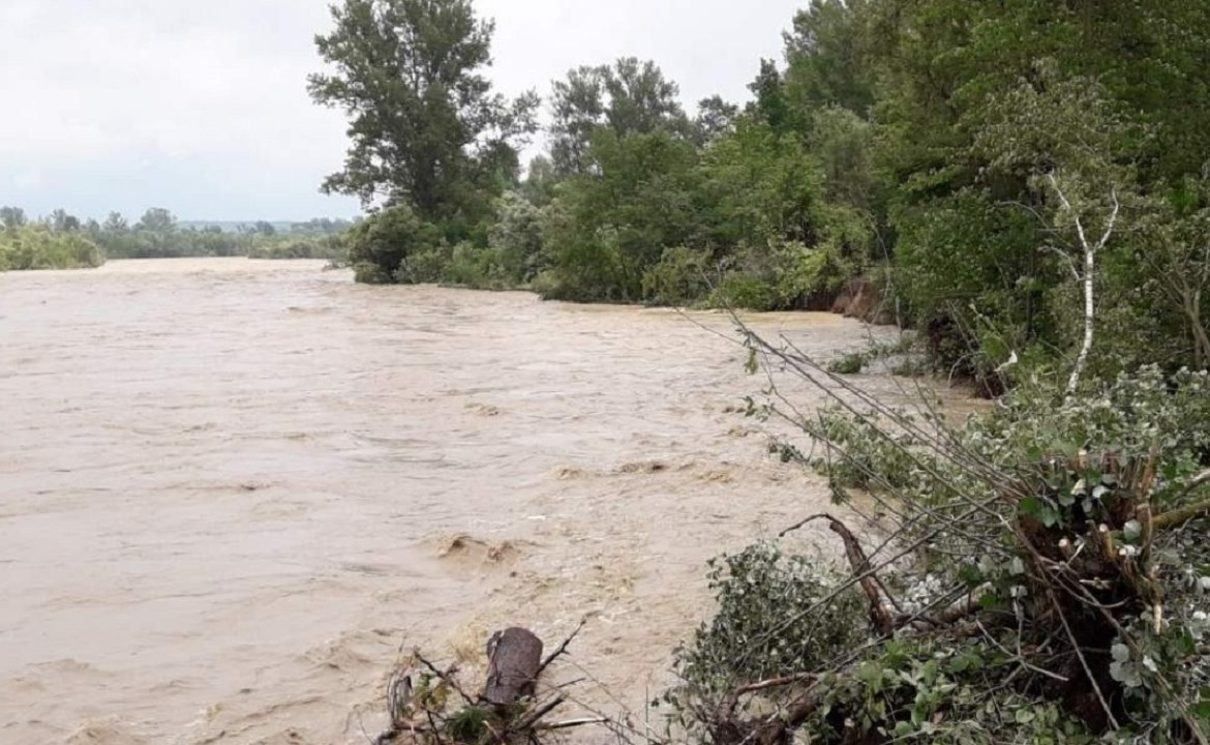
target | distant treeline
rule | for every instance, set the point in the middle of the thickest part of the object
(61, 240)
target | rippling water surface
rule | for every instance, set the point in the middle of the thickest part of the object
(231, 491)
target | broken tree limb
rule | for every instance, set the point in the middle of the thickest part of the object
(880, 616)
(1181, 515)
(514, 661)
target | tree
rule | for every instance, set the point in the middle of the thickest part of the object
(578, 107)
(61, 222)
(715, 117)
(12, 217)
(825, 55)
(540, 181)
(380, 248)
(628, 98)
(608, 227)
(426, 129)
(115, 223)
(157, 220)
(769, 104)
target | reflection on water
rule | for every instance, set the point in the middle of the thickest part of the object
(229, 490)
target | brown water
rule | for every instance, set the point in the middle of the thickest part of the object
(231, 491)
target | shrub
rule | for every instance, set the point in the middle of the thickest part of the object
(379, 245)
(516, 239)
(330, 247)
(782, 275)
(683, 276)
(762, 625)
(36, 247)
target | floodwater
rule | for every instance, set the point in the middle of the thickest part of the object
(231, 491)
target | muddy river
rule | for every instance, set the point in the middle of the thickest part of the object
(232, 491)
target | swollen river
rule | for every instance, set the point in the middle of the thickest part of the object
(232, 491)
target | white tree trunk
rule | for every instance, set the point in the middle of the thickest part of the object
(1086, 278)
(1089, 321)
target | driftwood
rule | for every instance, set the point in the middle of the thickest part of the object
(438, 710)
(514, 661)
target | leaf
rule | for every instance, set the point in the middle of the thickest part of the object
(1132, 530)
(1120, 652)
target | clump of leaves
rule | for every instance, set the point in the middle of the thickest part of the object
(849, 364)
(469, 724)
(768, 619)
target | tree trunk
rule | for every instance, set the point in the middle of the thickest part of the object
(1201, 340)
(515, 656)
(1089, 320)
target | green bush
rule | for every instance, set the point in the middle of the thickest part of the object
(782, 275)
(330, 247)
(762, 625)
(684, 276)
(37, 247)
(379, 245)
(741, 290)
(516, 240)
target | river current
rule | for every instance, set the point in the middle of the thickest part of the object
(232, 491)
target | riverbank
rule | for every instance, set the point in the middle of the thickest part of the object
(234, 489)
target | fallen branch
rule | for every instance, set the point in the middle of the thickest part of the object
(562, 648)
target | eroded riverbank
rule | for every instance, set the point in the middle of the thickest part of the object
(231, 490)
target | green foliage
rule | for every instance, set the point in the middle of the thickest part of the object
(606, 229)
(683, 276)
(381, 248)
(780, 276)
(828, 58)
(516, 240)
(627, 98)
(951, 150)
(330, 247)
(1077, 523)
(426, 129)
(763, 624)
(38, 247)
(12, 218)
(849, 364)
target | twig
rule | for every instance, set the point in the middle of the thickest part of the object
(446, 677)
(562, 649)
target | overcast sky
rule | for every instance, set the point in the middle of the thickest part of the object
(200, 106)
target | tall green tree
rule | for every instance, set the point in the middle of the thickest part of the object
(426, 129)
(628, 98)
(157, 220)
(62, 222)
(12, 217)
(115, 223)
(827, 57)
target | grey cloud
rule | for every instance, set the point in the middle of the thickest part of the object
(201, 106)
